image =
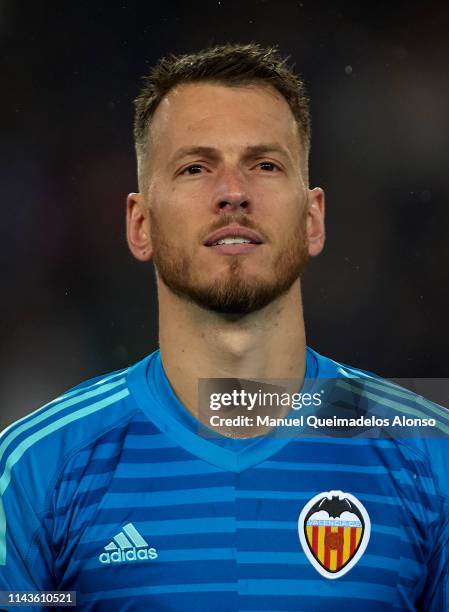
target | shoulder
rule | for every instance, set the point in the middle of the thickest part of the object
(418, 427)
(34, 449)
(382, 391)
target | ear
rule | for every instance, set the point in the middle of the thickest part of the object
(315, 221)
(138, 227)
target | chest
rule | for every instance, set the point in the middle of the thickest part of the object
(170, 532)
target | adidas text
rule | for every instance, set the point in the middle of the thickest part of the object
(124, 556)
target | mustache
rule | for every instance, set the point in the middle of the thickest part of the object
(234, 219)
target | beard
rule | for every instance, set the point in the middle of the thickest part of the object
(237, 292)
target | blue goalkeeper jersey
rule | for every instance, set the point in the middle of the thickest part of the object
(110, 491)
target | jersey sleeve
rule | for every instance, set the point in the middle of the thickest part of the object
(26, 559)
(435, 596)
(34, 453)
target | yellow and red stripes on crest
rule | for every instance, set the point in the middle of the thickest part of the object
(333, 559)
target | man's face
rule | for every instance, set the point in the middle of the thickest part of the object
(226, 197)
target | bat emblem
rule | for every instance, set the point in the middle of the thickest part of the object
(334, 529)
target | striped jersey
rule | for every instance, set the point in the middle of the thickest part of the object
(111, 492)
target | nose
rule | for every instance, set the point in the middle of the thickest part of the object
(232, 191)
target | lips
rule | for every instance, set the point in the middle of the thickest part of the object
(233, 232)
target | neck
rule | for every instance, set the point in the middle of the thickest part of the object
(196, 343)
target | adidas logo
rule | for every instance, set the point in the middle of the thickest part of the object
(129, 546)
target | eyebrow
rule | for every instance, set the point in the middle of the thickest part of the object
(197, 151)
(264, 149)
(250, 151)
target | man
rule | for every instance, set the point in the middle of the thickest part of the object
(113, 491)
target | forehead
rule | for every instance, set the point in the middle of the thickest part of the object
(210, 114)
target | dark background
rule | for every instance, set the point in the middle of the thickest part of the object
(74, 302)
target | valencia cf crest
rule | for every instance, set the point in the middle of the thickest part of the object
(334, 530)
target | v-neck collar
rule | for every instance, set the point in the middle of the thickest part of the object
(154, 395)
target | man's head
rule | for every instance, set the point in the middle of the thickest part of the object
(222, 140)
(230, 65)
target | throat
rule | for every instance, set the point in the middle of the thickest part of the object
(268, 344)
